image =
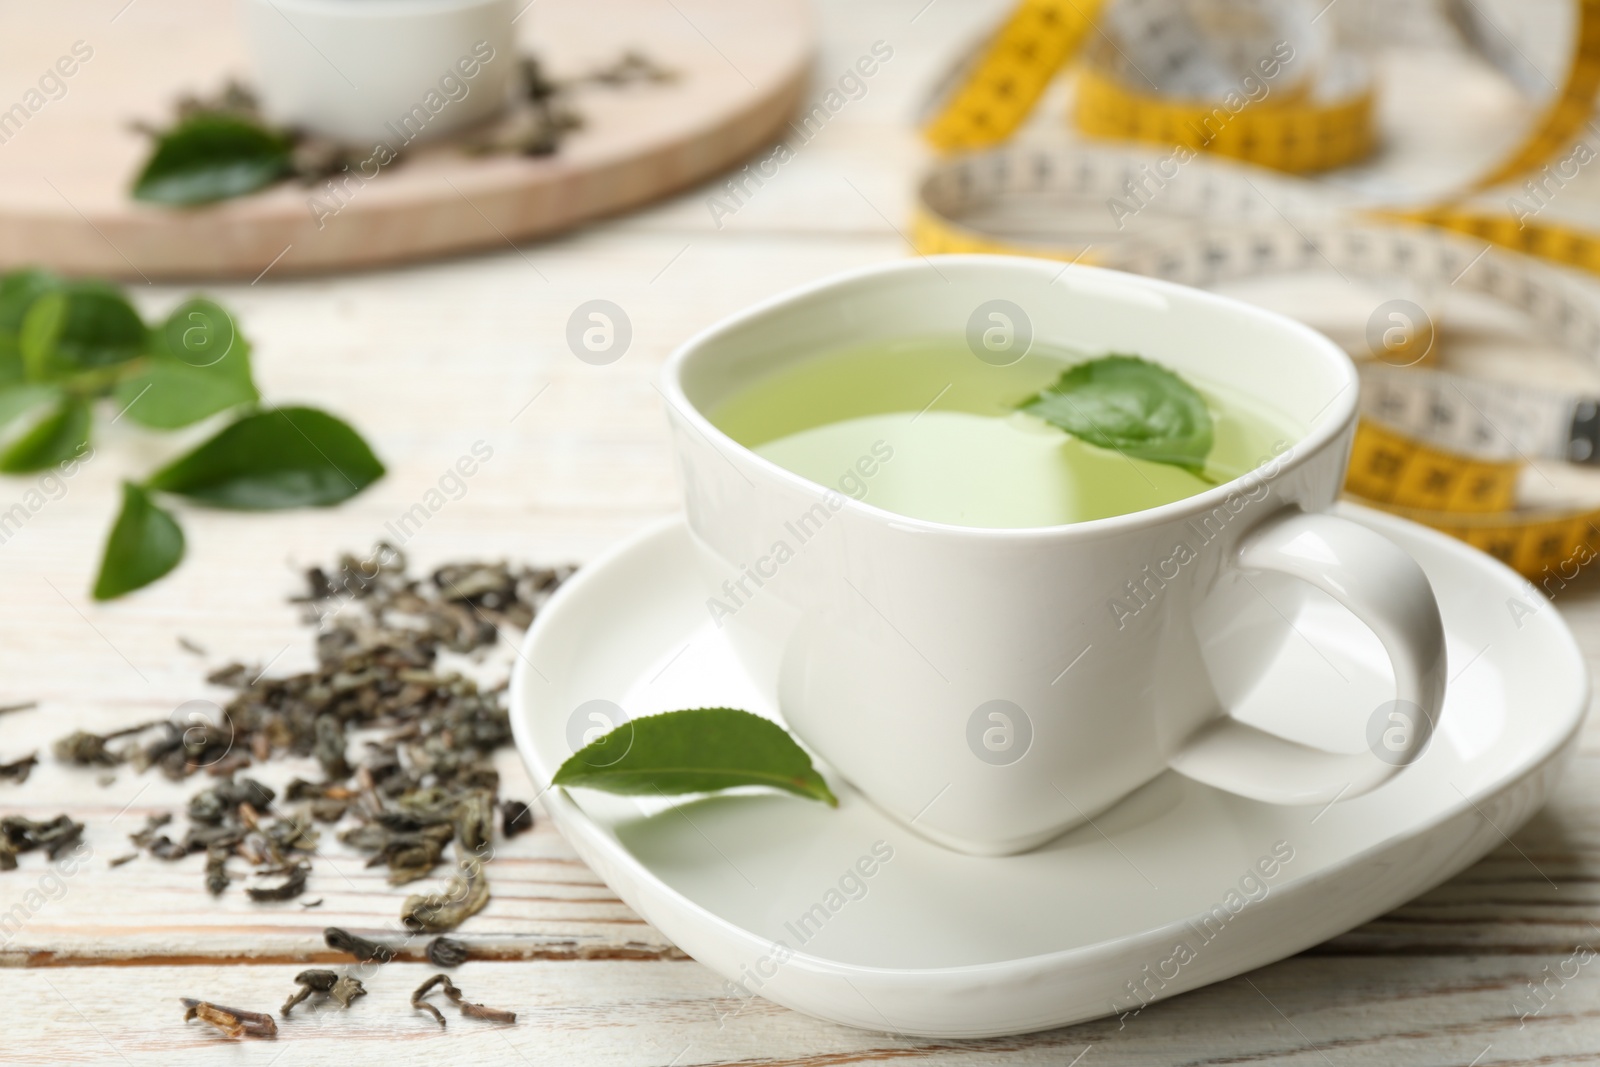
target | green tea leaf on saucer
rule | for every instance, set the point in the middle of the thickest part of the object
(1136, 407)
(701, 750)
(145, 543)
(282, 458)
(199, 365)
(211, 157)
(78, 326)
(58, 436)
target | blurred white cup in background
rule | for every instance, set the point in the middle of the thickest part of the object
(364, 71)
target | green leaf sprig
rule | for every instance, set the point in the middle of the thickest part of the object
(70, 347)
(221, 146)
(1136, 407)
(700, 750)
(209, 157)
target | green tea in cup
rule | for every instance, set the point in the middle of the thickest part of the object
(921, 428)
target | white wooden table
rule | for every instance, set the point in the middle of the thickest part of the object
(427, 361)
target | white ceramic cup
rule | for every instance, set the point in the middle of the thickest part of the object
(980, 684)
(381, 71)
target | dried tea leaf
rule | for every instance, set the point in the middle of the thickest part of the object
(234, 1022)
(55, 836)
(362, 949)
(309, 982)
(341, 988)
(292, 833)
(347, 989)
(329, 748)
(18, 770)
(515, 818)
(144, 838)
(469, 1009)
(474, 821)
(421, 1004)
(84, 749)
(463, 896)
(447, 952)
(292, 886)
(223, 799)
(217, 877)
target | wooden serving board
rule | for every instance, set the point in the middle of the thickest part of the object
(66, 163)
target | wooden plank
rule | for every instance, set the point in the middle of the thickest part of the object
(1304, 1011)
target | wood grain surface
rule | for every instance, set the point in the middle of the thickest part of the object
(428, 360)
(68, 166)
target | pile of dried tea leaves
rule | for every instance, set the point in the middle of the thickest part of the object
(404, 746)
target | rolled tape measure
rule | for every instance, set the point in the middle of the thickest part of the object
(1258, 81)
(1255, 80)
(1441, 448)
(993, 95)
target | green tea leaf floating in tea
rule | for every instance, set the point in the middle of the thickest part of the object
(145, 543)
(1132, 406)
(284, 458)
(210, 157)
(701, 750)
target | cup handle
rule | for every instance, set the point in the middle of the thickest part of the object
(1386, 589)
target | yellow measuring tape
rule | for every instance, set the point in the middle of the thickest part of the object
(1440, 449)
(1295, 129)
(1000, 91)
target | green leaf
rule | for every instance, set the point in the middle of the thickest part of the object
(697, 751)
(1136, 407)
(199, 365)
(59, 436)
(283, 458)
(18, 290)
(79, 326)
(18, 400)
(145, 543)
(212, 157)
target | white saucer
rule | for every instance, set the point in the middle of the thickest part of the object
(1162, 894)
